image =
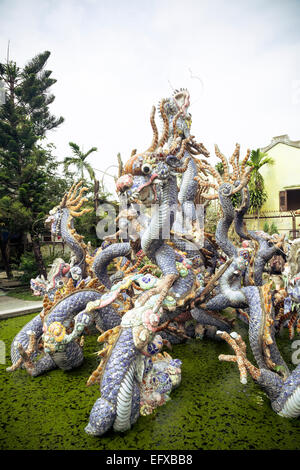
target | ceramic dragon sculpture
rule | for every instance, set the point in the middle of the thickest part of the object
(150, 178)
(175, 110)
(56, 279)
(272, 374)
(228, 293)
(61, 220)
(188, 279)
(289, 313)
(266, 246)
(130, 381)
(54, 333)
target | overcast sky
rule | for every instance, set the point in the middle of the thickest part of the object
(114, 59)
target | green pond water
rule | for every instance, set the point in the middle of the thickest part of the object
(211, 409)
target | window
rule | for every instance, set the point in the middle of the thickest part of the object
(289, 200)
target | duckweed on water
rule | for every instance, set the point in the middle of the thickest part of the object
(210, 410)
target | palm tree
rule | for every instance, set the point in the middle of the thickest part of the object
(258, 195)
(79, 160)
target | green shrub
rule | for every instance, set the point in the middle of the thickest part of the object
(28, 266)
(273, 229)
(270, 229)
(212, 217)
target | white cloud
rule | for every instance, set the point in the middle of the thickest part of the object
(113, 60)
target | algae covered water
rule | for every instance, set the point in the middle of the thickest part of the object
(210, 410)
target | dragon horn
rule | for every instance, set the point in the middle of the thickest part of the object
(155, 132)
(165, 134)
(63, 201)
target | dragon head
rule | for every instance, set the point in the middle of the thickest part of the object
(55, 279)
(38, 286)
(69, 205)
(144, 173)
(179, 102)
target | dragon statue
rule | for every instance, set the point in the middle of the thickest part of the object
(124, 372)
(272, 374)
(61, 220)
(56, 279)
(172, 281)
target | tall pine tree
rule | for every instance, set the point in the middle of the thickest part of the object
(26, 165)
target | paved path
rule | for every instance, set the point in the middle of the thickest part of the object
(12, 307)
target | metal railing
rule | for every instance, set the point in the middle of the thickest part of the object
(270, 215)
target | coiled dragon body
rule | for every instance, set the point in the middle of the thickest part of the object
(136, 311)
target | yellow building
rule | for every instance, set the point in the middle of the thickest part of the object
(282, 183)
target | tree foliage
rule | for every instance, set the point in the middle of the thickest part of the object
(79, 160)
(258, 194)
(27, 167)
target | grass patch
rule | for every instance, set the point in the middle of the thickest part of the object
(210, 410)
(22, 293)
